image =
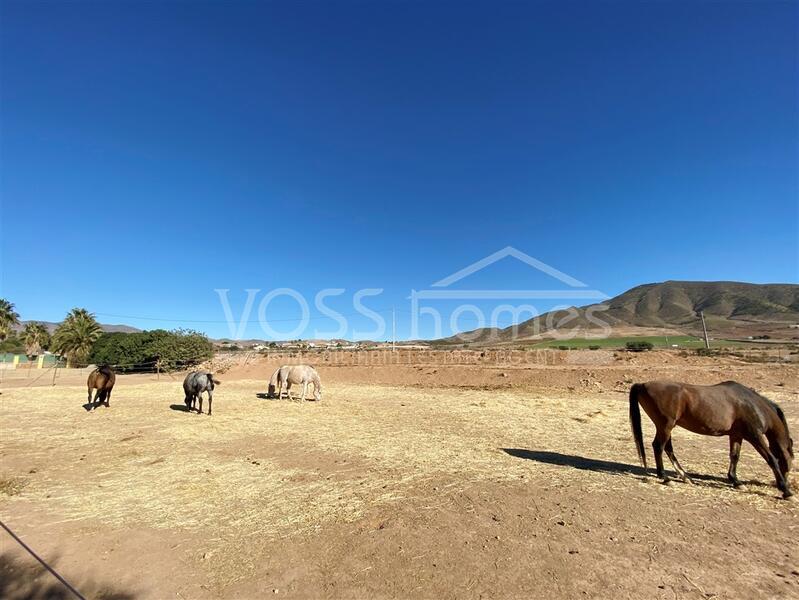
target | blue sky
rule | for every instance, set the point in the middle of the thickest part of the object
(154, 152)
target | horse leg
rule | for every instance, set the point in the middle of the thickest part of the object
(210, 400)
(108, 398)
(735, 454)
(96, 397)
(675, 463)
(304, 390)
(661, 437)
(761, 445)
(288, 391)
(200, 397)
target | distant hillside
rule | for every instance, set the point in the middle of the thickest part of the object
(731, 308)
(109, 328)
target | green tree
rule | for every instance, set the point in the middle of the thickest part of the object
(143, 350)
(8, 318)
(76, 335)
(36, 338)
(181, 347)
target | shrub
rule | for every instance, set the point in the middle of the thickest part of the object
(13, 344)
(705, 352)
(593, 347)
(639, 346)
(143, 351)
(563, 347)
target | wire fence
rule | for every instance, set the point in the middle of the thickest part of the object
(42, 562)
(383, 355)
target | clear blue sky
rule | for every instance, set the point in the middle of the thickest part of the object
(152, 152)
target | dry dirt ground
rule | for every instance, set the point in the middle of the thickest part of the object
(404, 481)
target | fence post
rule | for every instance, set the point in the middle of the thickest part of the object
(55, 370)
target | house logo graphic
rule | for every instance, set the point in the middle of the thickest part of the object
(574, 292)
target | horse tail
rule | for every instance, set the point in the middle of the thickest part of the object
(635, 421)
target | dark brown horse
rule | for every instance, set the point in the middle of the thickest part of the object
(727, 408)
(102, 379)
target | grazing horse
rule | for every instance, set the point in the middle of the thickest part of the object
(102, 379)
(194, 385)
(727, 408)
(296, 374)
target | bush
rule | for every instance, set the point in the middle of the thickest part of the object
(143, 351)
(13, 344)
(563, 347)
(639, 346)
(593, 347)
(705, 352)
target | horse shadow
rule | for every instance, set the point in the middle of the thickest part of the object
(267, 396)
(577, 462)
(90, 406)
(27, 580)
(179, 407)
(615, 468)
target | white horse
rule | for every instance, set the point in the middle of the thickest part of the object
(295, 374)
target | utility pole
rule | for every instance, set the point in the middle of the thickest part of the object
(393, 330)
(704, 328)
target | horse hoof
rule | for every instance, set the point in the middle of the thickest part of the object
(687, 480)
(786, 494)
(666, 481)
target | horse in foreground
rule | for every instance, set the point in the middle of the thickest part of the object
(295, 374)
(194, 385)
(102, 379)
(727, 408)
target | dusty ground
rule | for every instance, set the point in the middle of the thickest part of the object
(422, 480)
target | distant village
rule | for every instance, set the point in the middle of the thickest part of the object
(313, 345)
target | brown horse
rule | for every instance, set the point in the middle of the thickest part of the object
(727, 408)
(102, 379)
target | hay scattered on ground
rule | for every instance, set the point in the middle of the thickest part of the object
(263, 469)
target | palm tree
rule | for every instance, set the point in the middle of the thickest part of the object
(76, 335)
(8, 318)
(36, 338)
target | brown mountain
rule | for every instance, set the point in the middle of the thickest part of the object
(731, 309)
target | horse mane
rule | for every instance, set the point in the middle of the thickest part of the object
(780, 414)
(273, 379)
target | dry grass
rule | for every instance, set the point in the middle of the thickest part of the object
(11, 486)
(262, 469)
